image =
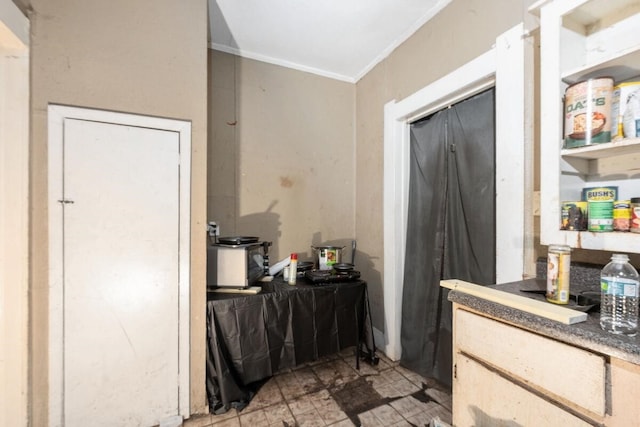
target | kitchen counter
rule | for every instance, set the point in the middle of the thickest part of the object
(587, 335)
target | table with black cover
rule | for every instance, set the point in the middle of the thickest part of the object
(251, 337)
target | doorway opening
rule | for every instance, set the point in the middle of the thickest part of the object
(451, 225)
(504, 67)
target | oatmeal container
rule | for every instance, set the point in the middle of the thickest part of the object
(587, 111)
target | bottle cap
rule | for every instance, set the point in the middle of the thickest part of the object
(294, 257)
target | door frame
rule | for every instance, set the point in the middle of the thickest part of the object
(505, 66)
(14, 215)
(57, 114)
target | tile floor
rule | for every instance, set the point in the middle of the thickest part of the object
(331, 392)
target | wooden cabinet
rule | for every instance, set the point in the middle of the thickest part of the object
(484, 397)
(625, 380)
(504, 374)
(580, 40)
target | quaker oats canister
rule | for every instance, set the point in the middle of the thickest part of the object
(587, 110)
(558, 269)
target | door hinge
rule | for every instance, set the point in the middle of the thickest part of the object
(455, 372)
(64, 201)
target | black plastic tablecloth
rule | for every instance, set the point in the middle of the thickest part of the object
(251, 337)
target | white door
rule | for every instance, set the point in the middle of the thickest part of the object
(120, 290)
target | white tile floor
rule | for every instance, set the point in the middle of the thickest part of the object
(331, 392)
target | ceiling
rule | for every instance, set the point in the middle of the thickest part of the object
(340, 39)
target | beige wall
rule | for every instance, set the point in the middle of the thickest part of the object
(146, 57)
(283, 161)
(257, 140)
(281, 155)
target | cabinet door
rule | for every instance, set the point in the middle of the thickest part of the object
(625, 394)
(116, 308)
(121, 274)
(485, 398)
(563, 372)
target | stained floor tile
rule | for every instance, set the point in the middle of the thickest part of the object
(331, 392)
(254, 419)
(387, 415)
(408, 406)
(442, 397)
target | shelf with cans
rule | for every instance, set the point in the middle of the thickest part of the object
(589, 67)
(600, 210)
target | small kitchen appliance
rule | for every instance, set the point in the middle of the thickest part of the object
(236, 262)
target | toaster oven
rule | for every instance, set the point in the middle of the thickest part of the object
(234, 266)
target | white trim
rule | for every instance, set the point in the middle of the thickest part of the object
(57, 114)
(14, 222)
(503, 62)
(280, 62)
(513, 133)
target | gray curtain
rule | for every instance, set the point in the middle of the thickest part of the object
(450, 228)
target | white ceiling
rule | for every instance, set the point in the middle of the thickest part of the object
(341, 39)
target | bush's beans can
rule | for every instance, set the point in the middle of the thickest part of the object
(558, 268)
(600, 207)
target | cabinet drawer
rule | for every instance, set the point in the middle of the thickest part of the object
(501, 402)
(573, 375)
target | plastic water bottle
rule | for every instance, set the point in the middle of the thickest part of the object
(619, 283)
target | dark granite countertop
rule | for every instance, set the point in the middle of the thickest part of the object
(586, 334)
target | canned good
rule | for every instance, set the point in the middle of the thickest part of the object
(600, 193)
(631, 117)
(587, 112)
(600, 216)
(621, 215)
(634, 226)
(558, 269)
(600, 207)
(574, 216)
(624, 95)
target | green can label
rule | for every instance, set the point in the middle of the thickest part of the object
(600, 216)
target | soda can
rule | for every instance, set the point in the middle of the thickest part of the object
(558, 268)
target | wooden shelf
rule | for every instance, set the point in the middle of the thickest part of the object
(582, 39)
(616, 66)
(614, 241)
(604, 150)
(588, 14)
